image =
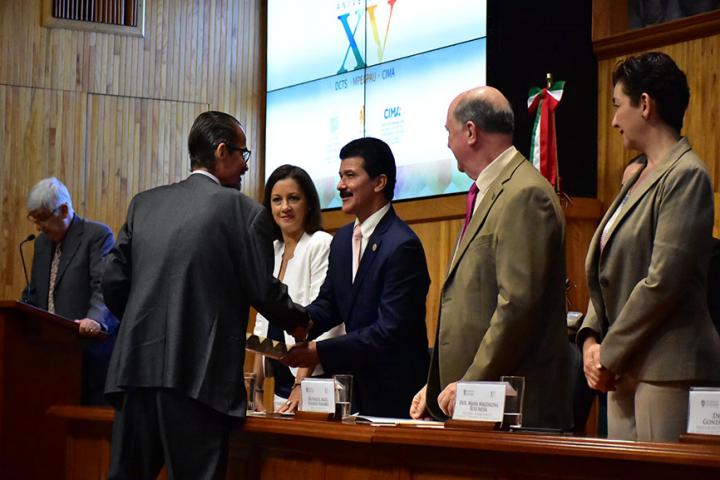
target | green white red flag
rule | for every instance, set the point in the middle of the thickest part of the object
(543, 145)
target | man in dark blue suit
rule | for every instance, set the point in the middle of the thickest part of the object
(376, 283)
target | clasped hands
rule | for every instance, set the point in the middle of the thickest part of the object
(303, 353)
(598, 377)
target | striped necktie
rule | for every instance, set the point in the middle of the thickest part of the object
(356, 248)
(54, 266)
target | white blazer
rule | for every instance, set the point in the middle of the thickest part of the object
(304, 275)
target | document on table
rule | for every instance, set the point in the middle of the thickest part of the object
(387, 421)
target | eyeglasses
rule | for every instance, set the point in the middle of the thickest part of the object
(42, 218)
(243, 151)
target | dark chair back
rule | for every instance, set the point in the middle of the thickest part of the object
(714, 284)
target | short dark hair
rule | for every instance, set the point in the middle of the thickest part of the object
(485, 115)
(656, 74)
(377, 158)
(208, 131)
(313, 222)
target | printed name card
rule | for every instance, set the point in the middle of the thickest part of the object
(481, 401)
(704, 412)
(317, 395)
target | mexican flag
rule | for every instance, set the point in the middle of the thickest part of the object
(543, 144)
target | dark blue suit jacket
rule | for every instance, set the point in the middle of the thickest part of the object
(386, 346)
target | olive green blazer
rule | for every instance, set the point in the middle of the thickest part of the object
(648, 285)
(502, 308)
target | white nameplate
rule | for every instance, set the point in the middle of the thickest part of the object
(483, 401)
(704, 411)
(317, 395)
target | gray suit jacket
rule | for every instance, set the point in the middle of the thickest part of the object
(648, 300)
(77, 286)
(188, 263)
(503, 309)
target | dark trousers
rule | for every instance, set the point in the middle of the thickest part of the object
(155, 427)
(94, 371)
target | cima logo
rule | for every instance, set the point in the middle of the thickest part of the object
(357, 16)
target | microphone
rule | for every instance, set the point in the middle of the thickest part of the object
(26, 292)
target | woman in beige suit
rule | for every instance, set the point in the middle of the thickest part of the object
(648, 335)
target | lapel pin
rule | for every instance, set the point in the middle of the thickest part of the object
(374, 247)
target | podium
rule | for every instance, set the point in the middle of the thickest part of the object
(40, 365)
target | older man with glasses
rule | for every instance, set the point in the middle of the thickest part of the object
(66, 275)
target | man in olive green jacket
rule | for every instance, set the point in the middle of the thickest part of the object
(502, 310)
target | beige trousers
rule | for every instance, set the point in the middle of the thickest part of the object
(648, 411)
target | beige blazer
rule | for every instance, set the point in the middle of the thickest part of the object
(503, 302)
(648, 300)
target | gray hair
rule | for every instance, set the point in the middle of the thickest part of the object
(49, 193)
(486, 116)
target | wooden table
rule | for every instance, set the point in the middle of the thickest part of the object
(278, 448)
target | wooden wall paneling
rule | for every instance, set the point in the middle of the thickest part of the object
(231, 72)
(190, 36)
(7, 54)
(250, 88)
(211, 53)
(172, 48)
(609, 17)
(182, 51)
(438, 239)
(702, 64)
(222, 72)
(11, 42)
(577, 240)
(8, 211)
(133, 145)
(165, 110)
(39, 140)
(74, 130)
(203, 48)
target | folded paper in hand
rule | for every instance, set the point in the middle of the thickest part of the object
(265, 346)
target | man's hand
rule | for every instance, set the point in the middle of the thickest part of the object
(446, 399)
(300, 334)
(598, 377)
(301, 355)
(89, 327)
(418, 407)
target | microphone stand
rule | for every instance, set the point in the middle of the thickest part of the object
(27, 292)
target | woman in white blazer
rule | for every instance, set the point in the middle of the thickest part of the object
(301, 262)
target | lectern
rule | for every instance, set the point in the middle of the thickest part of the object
(40, 365)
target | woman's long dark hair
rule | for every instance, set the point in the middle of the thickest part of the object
(313, 221)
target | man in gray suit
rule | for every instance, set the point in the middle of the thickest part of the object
(190, 260)
(503, 302)
(66, 273)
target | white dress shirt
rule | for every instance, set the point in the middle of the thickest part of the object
(491, 173)
(368, 226)
(304, 275)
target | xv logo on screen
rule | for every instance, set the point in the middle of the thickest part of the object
(350, 34)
